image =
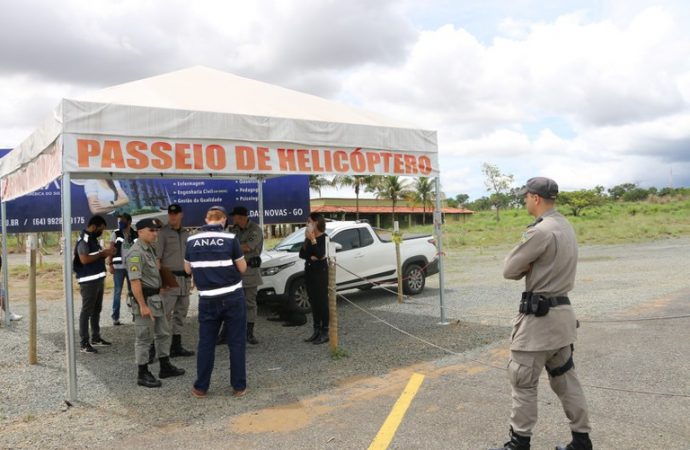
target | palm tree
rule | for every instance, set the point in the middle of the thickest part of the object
(317, 182)
(391, 188)
(423, 193)
(356, 181)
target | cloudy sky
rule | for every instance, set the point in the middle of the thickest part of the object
(588, 92)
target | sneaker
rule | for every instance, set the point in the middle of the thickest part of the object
(86, 348)
(117, 323)
(15, 317)
(100, 342)
(238, 394)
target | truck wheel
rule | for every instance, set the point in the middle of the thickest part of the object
(299, 300)
(414, 279)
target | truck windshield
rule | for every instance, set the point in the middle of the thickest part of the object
(293, 241)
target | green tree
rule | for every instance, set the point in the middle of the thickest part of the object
(498, 185)
(576, 201)
(391, 188)
(481, 204)
(317, 182)
(618, 191)
(358, 182)
(423, 193)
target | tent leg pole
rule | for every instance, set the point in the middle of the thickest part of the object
(260, 194)
(71, 359)
(6, 266)
(438, 228)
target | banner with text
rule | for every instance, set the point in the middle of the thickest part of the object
(286, 200)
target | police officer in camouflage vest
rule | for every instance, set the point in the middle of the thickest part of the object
(150, 323)
(544, 330)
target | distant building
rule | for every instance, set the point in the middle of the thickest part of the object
(380, 212)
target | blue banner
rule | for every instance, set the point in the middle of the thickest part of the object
(286, 200)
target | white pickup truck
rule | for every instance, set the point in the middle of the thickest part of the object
(365, 257)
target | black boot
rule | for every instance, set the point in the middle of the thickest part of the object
(250, 334)
(222, 336)
(516, 442)
(152, 353)
(146, 379)
(176, 348)
(322, 338)
(313, 337)
(168, 370)
(580, 441)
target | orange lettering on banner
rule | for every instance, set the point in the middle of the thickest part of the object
(87, 148)
(338, 163)
(164, 160)
(373, 159)
(357, 161)
(398, 163)
(198, 156)
(303, 160)
(286, 160)
(424, 165)
(410, 164)
(386, 161)
(244, 157)
(263, 158)
(112, 155)
(136, 150)
(215, 157)
(316, 161)
(181, 157)
(328, 160)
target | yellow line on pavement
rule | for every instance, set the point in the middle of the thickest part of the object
(390, 426)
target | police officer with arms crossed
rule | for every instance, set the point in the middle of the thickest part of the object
(252, 243)
(545, 328)
(145, 280)
(215, 259)
(170, 249)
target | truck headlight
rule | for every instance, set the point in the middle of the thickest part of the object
(268, 271)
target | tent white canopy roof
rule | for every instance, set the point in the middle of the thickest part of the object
(200, 122)
(112, 132)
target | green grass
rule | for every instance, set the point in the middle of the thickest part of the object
(611, 223)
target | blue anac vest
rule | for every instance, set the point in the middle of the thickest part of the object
(93, 271)
(212, 253)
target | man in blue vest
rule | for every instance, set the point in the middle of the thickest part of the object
(214, 257)
(122, 239)
(89, 267)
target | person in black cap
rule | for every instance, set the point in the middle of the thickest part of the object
(545, 328)
(170, 248)
(252, 243)
(151, 326)
(215, 259)
(122, 239)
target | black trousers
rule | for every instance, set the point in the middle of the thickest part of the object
(91, 306)
(316, 279)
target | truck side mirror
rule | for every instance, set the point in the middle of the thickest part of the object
(337, 246)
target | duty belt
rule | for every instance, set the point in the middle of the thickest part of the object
(181, 273)
(538, 304)
(150, 292)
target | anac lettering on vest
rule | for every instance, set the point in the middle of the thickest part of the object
(209, 242)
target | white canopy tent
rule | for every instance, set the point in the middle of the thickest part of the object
(199, 123)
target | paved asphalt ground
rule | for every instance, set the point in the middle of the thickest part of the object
(635, 373)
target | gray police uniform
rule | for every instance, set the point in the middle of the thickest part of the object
(170, 248)
(142, 265)
(547, 257)
(251, 278)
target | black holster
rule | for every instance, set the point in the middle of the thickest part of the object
(532, 303)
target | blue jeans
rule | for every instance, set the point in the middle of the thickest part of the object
(213, 312)
(119, 278)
